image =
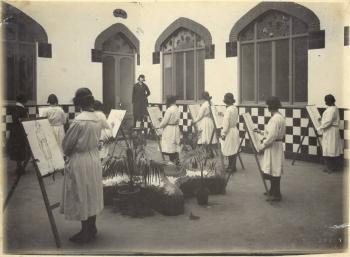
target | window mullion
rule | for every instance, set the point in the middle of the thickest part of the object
(291, 61)
(273, 68)
(256, 64)
(195, 79)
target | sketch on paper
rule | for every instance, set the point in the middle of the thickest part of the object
(314, 115)
(42, 110)
(156, 117)
(115, 119)
(218, 112)
(254, 136)
(44, 146)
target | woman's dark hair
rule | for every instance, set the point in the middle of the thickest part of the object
(206, 96)
(229, 99)
(273, 103)
(329, 99)
(141, 76)
(84, 98)
(98, 106)
(21, 98)
(52, 99)
(171, 99)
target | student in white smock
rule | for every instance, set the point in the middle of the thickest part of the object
(57, 118)
(82, 197)
(272, 145)
(171, 132)
(331, 142)
(205, 122)
(229, 133)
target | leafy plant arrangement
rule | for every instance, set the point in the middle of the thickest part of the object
(134, 163)
(198, 159)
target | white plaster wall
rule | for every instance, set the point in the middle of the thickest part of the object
(73, 27)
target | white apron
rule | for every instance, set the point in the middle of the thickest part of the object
(205, 125)
(171, 132)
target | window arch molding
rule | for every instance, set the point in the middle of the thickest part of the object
(96, 53)
(186, 23)
(292, 9)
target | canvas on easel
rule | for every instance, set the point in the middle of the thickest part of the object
(115, 118)
(47, 159)
(156, 118)
(255, 141)
(194, 110)
(42, 110)
(218, 114)
(44, 146)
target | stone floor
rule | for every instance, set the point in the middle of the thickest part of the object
(310, 218)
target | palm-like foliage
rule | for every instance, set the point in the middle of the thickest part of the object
(198, 158)
(134, 162)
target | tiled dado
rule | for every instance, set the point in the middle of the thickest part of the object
(296, 126)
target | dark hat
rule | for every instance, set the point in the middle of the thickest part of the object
(206, 96)
(141, 76)
(229, 99)
(171, 99)
(273, 103)
(84, 98)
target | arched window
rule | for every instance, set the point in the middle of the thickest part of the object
(183, 65)
(273, 58)
(20, 35)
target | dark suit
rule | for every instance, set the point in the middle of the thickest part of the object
(17, 141)
(139, 100)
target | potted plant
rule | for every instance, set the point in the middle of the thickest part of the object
(198, 159)
(136, 166)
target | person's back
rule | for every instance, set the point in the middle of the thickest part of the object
(55, 115)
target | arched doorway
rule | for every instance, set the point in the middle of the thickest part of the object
(118, 47)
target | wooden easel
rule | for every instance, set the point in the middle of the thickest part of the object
(157, 136)
(256, 157)
(309, 124)
(48, 206)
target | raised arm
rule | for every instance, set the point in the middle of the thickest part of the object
(166, 119)
(327, 120)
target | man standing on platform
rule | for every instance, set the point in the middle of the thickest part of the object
(139, 99)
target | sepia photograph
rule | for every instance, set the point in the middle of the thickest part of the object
(175, 127)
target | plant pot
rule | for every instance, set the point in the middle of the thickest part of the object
(202, 196)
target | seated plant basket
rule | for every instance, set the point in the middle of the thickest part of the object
(166, 199)
(190, 183)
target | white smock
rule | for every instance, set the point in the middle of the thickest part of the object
(331, 142)
(171, 133)
(230, 145)
(205, 125)
(273, 157)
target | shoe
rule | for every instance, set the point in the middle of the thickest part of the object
(265, 193)
(274, 199)
(76, 237)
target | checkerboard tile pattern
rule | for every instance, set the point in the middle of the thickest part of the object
(296, 125)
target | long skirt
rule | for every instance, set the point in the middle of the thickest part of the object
(82, 195)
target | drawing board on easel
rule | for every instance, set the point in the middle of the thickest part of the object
(194, 110)
(42, 110)
(255, 139)
(44, 146)
(115, 119)
(47, 159)
(254, 136)
(156, 117)
(218, 112)
(314, 116)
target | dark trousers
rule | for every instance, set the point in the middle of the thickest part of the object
(275, 182)
(333, 163)
(173, 157)
(232, 162)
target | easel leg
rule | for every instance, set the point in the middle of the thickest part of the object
(239, 151)
(49, 212)
(11, 191)
(296, 154)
